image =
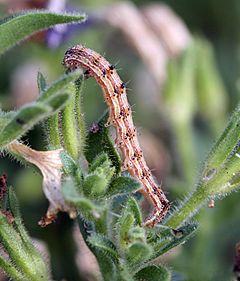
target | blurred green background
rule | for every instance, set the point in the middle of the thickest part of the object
(178, 118)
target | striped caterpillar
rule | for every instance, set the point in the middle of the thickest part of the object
(120, 116)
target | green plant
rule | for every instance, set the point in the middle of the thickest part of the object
(99, 197)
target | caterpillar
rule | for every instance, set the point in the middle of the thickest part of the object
(120, 116)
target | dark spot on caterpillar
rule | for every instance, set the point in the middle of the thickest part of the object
(138, 154)
(96, 60)
(20, 121)
(99, 68)
(123, 86)
(87, 72)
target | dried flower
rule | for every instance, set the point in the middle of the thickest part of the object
(50, 165)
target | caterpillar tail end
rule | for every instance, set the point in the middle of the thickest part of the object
(157, 215)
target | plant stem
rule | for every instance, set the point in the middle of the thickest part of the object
(53, 132)
(188, 208)
(10, 270)
(80, 114)
(69, 128)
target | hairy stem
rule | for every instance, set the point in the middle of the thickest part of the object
(188, 208)
(10, 270)
(53, 132)
(69, 128)
(80, 114)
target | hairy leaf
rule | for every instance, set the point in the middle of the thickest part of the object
(99, 141)
(11, 270)
(132, 206)
(41, 81)
(104, 245)
(153, 273)
(58, 85)
(5, 117)
(14, 208)
(53, 99)
(22, 253)
(170, 238)
(139, 252)
(17, 27)
(85, 206)
(97, 181)
(125, 222)
(122, 185)
(69, 165)
(106, 254)
(22, 121)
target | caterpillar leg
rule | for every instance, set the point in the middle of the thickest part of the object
(157, 215)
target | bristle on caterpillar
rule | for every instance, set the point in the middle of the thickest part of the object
(120, 116)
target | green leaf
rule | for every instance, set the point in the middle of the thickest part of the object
(14, 208)
(23, 255)
(58, 85)
(99, 161)
(53, 99)
(132, 206)
(52, 123)
(107, 265)
(103, 166)
(99, 141)
(17, 27)
(85, 206)
(139, 252)
(137, 233)
(28, 116)
(97, 181)
(125, 274)
(94, 185)
(125, 223)
(5, 117)
(130, 216)
(169, 238)
(122, 185)
(153, 273)
(69, 165)
(69, 190)
(41, 81)
(57, 101)
(104, 245)
(106, 254)
(22, 121)
(220, 175)
(11, 270)
(221, 172)
(224, 145)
